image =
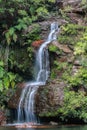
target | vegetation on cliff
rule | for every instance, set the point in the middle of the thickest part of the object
(68, 58)
(71, 68)
(15, 44)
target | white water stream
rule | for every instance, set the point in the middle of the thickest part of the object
(26, 110)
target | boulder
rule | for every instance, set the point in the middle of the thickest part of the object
(49, 97)
(53, 123)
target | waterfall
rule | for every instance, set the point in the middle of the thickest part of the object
(26, 110)
(43, 55)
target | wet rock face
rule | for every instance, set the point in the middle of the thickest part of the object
(14, 100)
(2, 118)
(49, 97)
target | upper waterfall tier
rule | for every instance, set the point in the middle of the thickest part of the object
(43, 55)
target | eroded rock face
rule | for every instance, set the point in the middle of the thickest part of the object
(49, 97)
(14, 100)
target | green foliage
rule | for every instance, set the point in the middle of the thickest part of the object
(42, 11)
(67, 8)
(77, 80)
(83, 61)
(10, 35)
(62, 68)
(17, 15)
(63, 14)
(8, 81)
(73, 81)
(75, 93)
(70, 29)
(22, 62)
(70, 32)
(53, 48)
(53, 74)
(83, 1)
(74, 106)
(33, 35)
(81, 46)
(84, 5)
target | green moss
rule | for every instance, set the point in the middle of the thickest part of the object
(53, 48)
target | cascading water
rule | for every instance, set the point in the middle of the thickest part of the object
(26, 104)
(43, 55)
